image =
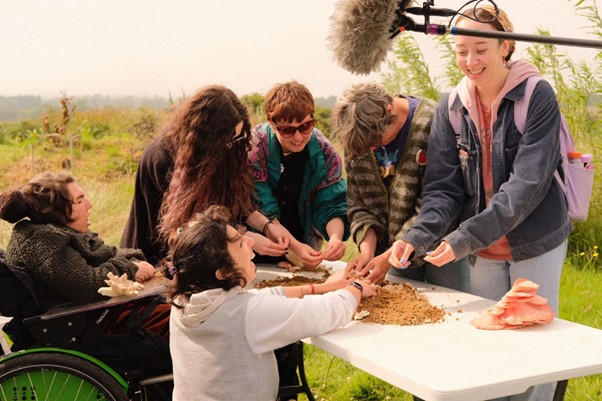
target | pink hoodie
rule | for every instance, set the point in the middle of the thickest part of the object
(519, 71)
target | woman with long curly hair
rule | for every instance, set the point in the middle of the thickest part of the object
(199, 160)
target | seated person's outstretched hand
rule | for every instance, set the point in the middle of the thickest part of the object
(369, 289)
(401, 251)
(335, 249)
(146, 271)
(442, 255)
(265, 246)
(339, 279)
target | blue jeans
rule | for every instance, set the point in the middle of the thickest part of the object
(493, 278)
(454, 275)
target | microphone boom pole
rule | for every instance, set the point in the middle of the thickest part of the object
(519, 37)
(407, 24)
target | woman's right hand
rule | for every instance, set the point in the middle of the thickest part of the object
(401, 251)
(265, 246)
(359, 263)
(146, 271)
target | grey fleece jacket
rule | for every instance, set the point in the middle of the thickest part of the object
(70, 263)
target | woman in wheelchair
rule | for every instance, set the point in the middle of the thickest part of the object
(51, 246)
(223, 336)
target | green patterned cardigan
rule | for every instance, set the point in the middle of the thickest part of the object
(390, 212)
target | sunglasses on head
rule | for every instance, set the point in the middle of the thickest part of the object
(290, 130)
(236, 139)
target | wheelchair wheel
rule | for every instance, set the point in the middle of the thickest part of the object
(56, 377)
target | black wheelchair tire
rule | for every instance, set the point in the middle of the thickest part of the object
(56, 377)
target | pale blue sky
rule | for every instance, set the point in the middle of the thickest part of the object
(152, 47)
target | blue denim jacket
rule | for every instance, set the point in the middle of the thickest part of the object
(528, 205)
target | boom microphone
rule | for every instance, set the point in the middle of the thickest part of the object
(361, 30)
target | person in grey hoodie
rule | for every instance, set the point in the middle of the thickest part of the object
(498, 182)
(222, 335)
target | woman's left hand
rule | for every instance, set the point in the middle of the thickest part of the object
(335, 249)
(442, 255)
(310, 258)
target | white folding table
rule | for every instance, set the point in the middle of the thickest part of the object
(454, 361)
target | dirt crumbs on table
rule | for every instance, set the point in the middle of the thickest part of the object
(395, 304)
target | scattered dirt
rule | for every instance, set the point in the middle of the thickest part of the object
(396, 303)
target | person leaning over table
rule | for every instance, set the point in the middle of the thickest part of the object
(51, 241)
(297, 176)
(226, 332)
(199, 159)
(498, 182)
(385, 139)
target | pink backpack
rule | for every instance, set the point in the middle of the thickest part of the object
(578, 180)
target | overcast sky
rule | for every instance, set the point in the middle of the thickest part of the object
(154, 47)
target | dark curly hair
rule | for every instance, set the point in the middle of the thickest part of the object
(209, 167)
(199, 251)
(45, 199)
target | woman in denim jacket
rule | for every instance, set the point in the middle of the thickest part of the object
(498, 183)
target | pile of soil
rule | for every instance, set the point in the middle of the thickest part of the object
(399, 304)
(396, 303)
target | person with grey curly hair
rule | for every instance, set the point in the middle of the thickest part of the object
(385, 139)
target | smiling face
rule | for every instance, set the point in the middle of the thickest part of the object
(481, 59)
(240, 248)
(80, 205)
(302, 133)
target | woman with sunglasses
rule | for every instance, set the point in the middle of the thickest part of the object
(199, 159)
(298, 183)
(297, 177)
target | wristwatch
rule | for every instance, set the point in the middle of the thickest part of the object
(358, 286)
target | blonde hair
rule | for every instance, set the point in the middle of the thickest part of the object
(497, 18)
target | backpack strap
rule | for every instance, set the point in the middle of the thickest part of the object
(522, 106)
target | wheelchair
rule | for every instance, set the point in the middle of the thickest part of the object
(48, 361)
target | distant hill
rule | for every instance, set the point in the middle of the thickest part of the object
(27, 107)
